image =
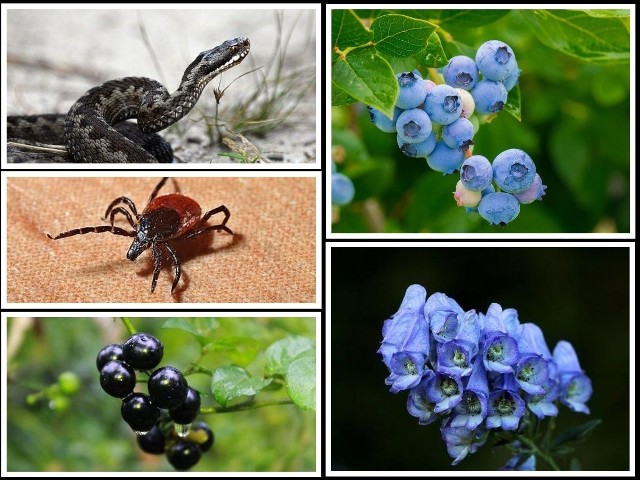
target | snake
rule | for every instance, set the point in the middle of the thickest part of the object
(96, 130)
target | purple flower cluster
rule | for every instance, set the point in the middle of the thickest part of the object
(476, 372)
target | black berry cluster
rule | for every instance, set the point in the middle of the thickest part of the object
(163, 418)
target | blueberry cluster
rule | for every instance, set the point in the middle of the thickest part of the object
(437, 122)
(342, 189)
(476, 372)
(161, 419)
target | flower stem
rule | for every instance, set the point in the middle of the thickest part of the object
(538, 452)
(242, 407)
(128, 325)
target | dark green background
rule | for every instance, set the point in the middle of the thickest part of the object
(575, 294)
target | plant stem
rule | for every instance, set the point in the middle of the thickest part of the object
(539, 453)
(240, 408)
(128, 325)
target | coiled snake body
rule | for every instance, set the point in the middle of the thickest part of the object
(92, 131)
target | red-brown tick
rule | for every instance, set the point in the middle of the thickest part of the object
(165, 219)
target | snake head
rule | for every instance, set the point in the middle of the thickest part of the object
(215, 61)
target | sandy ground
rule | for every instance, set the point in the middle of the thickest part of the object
(54, 56)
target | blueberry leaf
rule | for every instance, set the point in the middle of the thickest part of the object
(347, 30)
(512, 107)
(458, 20)
(339, 97)
(282, 353)
(400, 36)
(433, 55)
(230, 383)
(595, 39)
(301, 382)
(367, 77)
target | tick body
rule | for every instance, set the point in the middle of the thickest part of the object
(165, 219)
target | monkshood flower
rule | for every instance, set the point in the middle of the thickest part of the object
(479, 373)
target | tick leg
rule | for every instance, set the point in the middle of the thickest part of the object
(202, 230)
(176, 266)
(126, 213)
(125, 200)
(211, 213)
(157, 264)
(157, 189)
(98, 229)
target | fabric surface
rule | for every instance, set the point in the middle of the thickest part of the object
(270, 259)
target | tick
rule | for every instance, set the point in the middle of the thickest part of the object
(165, 219)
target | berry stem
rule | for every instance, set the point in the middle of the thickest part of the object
(240, 408)
(128, 325)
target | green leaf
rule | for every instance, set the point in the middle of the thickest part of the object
(201, 328)
(512, 107)
(301, 382)
(589, 38)
(339, 97)
(433, 56)
(231, 382)
(606, 13)
(347, 30)
(367, 77)
(400, 36)
(575, 434)
(281, 353)
(457, 19)
(239, 349)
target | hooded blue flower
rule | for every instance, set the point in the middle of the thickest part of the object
(455, 357)
(499, 352)
(505, 410)
(575, 386)
(407, 370)
(444, 391)
(472, 410)
(461, 441)
(408, 330)
(520, 463)
(532, 373)
(499, 320)
(543, 405)
(418, 405)
(444, 316)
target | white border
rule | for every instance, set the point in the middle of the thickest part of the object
(485, 236)
(178, 166)
(4, 405)
(166, 306)
(453, 473)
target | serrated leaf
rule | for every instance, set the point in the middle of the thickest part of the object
(434, 55)
(231, 382)
(280, 354)
(301, 382)
(339, 97)
(575, 434)
(347, 30)
(512, 107)
(240, 350)
(201, 328)
(367, 77)
(598, 40)
(400, 36)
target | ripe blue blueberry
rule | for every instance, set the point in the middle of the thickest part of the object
(499, 208)
(384, 123)
(444, 159)
(495, 60)
(420, 150)
(458, 134)
(461, 72)
(513, 171)
(342, 189)
(533, 193)
(489, 96)
(511, 80)
(412, 90)
(413, 126)
(443, 104)
(476, 173)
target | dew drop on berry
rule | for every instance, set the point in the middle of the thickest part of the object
(140, 433)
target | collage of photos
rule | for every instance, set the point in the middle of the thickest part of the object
(384, 241)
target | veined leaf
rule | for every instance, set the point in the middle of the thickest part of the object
(282, 353)
(230, 382)
(367, 77)
(456, 19)
(512, 107)
(434, 56)
(400, 36)
(339, 97)
(301, 382)
(347, 30)
(589, 38)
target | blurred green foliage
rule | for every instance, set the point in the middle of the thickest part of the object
(575, 107)
(88, 433)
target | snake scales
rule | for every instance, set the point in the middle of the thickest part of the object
(94, 130)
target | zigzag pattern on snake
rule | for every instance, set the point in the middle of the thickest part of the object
(94, 130)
